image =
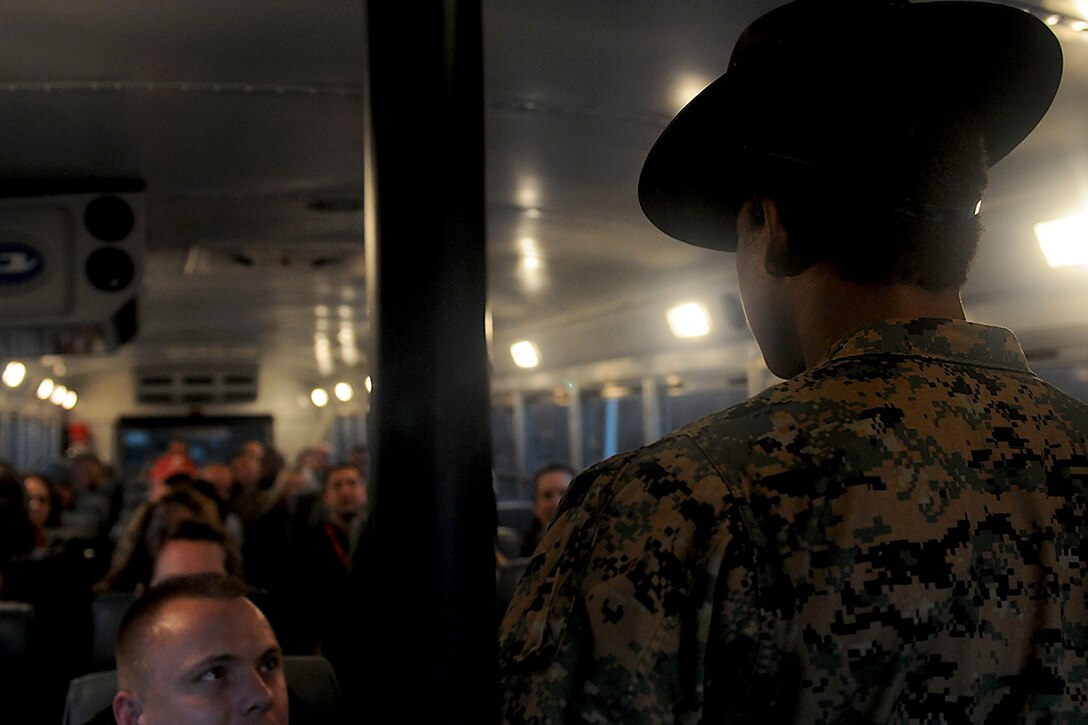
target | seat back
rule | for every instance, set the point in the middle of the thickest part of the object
(16, 633)
(509, 541)
(107, 609)
(311, 682)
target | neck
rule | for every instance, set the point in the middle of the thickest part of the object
(830, 308)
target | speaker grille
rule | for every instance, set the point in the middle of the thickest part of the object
(158, 387)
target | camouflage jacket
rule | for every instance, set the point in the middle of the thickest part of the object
(897, 534)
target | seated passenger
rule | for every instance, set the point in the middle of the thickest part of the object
(318, 584)
(549, 485)
(194, 547)
(135, 552)
(43, 508)
(194, 649)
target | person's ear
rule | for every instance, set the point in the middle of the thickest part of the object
(127, 708)
(782, 260)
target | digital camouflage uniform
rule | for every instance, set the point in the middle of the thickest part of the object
(897, 534)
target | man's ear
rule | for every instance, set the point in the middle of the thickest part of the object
(127, 708)
(782, 259)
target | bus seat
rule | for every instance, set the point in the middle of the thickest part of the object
(311, 683)
(515, 514)
(508, 540)
(107, 609)
(16, 632)
(82, 524)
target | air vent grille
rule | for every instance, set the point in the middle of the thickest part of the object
(189, 386)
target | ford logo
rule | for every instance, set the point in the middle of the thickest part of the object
(19, 263)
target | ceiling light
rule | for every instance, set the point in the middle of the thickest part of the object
(14, 374)
(343, 392)
(45, 389)
(319, 397)
(686, 88)
(612, 391)
(1079, 25)
(525, 353)
(58, 395)
(369, 384)
(689, 320)
(1064, 241)
(70, 400)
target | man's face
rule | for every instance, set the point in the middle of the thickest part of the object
(209, 662)
(189, 556)
(345, 494)
(246, 471)
(550, 487)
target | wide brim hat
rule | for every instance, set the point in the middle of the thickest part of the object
(831, 87)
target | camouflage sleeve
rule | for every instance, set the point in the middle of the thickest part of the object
(641, 593)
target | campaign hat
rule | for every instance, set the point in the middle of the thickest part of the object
(829, 87)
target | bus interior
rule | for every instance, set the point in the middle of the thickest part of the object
(213, 188)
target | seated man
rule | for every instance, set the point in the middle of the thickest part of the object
(194, 649)
(549, 485)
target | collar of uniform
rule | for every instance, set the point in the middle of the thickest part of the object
(934, 338)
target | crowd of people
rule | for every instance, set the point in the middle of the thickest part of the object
(290, 532)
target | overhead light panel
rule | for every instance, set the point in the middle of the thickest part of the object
(525, 354)
(45, 389)
(613, 391)
(70, 400)
(1064, 241)
(14, 374)
(58, 395)
(689, 320)
(319, 397)
(369, 384)
(343, 392)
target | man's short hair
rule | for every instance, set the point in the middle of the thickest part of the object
(342, 466)
(143, 613)
(551, 468)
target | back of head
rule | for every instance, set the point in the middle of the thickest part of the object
(133, 557)
(189, 546)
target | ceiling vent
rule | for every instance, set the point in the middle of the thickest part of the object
(195, 386)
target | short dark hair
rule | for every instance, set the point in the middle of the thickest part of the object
(199, 530)
(142, 613)
(342, 466)
(914, 225)
(551, 468)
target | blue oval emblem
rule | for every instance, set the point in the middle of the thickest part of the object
(19, 263)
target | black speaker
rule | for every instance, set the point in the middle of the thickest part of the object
(70, 257)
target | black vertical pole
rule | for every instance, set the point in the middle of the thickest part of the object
(429, 580)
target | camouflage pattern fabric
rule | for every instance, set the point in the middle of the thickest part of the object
(896, 535)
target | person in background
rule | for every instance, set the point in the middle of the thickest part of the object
(318, 590)
(215, 481)
(549, 485)
(193, 547)
(16, 533)
(43, 508)
(896, 532)
(133, 558)
(175, 462)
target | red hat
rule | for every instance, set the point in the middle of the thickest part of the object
(171, 464)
